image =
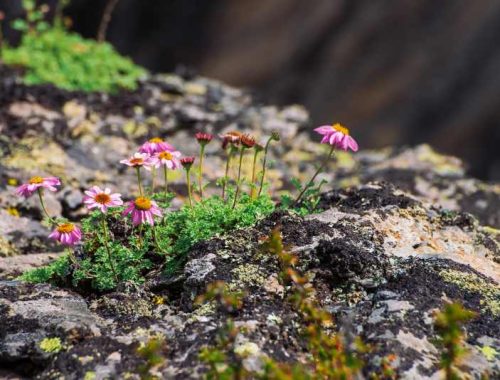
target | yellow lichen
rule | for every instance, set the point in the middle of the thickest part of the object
(489, 353)
(247, 274)
(51, 345)
(470, 282)
(246, 349)
(89, 375)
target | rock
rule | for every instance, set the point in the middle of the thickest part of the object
(32, 313)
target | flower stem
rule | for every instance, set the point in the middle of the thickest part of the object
(139, 181)
(264, 165)
(200, 170)
(106, 244)
(242, 149)
(153, 179)
(313, 177)
(188, 182)
(165, 169)
(155, 239)
(226, 174)
(140, 236)
(253, 191)
(42, 203)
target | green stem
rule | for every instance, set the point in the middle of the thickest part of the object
(254, 167)
(242, 149)
(226, 174)
(140, 236)
(188, 181)
(155, 239)
(42, 203)
(139, 181)
(313, 177)
(153, 179)
(106, 244)
(165, 169)
(200, 170)
(264, 165)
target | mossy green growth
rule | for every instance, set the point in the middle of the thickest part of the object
(71, 62)
(208, 218)
(52, 273)
(51, 345)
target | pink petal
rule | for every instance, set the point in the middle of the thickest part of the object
(352, 144)
(323, 129)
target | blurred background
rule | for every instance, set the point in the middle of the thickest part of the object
(396, 72)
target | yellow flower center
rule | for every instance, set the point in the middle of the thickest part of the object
(156, 140)
(136, 161)
(340, 128)
(36, 180)
(165, 156)
(102, 198)
(142, 203)
(65, 228)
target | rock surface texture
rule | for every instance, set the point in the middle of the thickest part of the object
(404, 232)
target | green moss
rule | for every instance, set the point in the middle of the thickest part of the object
(51, 345)
(71, 62)
(472, 283)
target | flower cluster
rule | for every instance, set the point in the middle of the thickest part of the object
(157, 154)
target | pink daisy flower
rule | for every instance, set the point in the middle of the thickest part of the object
(169, 159)
(35, 183)
(338, 136)
(139, 160)
(66, 234)
(143, 211)
(101, 199)
(156, 145)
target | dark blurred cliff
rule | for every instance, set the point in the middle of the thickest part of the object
(396, 72)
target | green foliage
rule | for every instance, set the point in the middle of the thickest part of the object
(209, 217)
(310, 199)
(132, 253)
(448, 324)
(54, 273)
(153, 352)
(51, 54)
(128, 257)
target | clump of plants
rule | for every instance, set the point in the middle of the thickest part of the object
(121, 241)
(49, 53)
(448, 324)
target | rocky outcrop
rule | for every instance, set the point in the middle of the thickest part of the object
(403, 232)
(378, 259)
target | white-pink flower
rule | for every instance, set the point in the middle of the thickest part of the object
(35, 183)
(101, 199)
(156, 145)
(139, 160)
(143, 211)
(338, 136)
(169, 159)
